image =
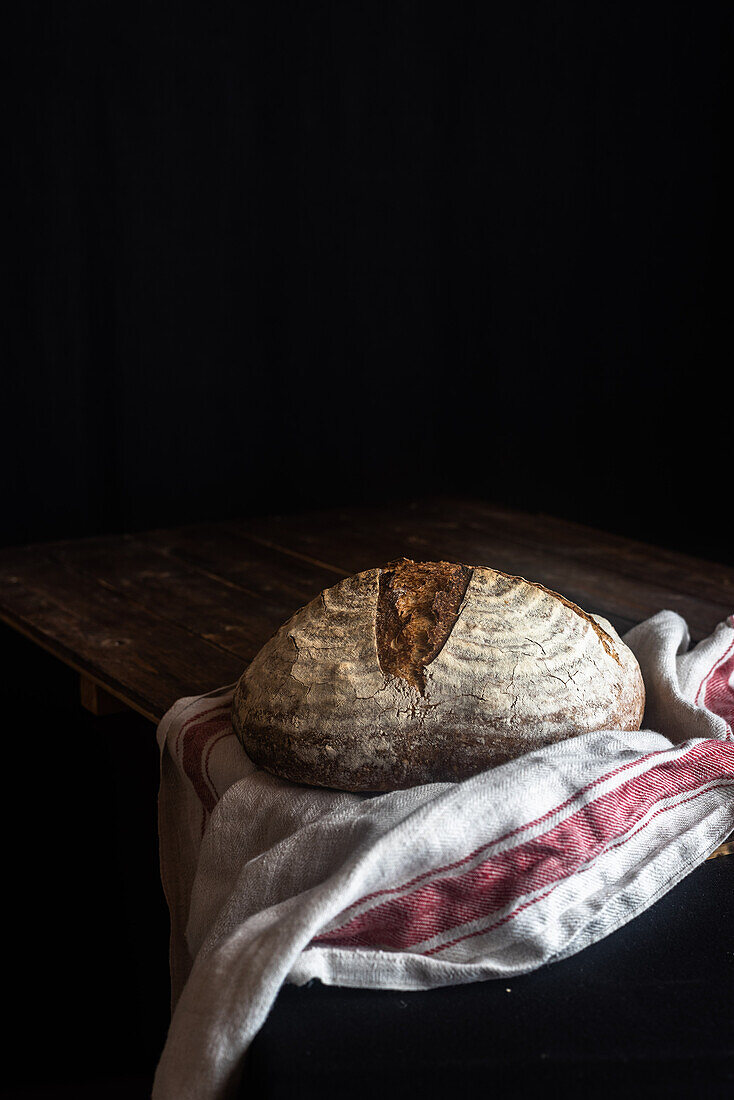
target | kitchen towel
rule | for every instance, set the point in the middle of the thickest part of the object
(446, 883)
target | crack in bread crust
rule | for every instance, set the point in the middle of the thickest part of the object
(417, 607)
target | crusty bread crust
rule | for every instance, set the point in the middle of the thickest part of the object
(423, 672)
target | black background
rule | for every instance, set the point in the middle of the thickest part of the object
(270, 257)
(277, 256)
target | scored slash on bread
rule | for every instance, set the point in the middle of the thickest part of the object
(417, 606)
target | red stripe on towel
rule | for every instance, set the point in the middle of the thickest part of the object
(486, 929)
(199, 717)
(500, 839)
(443, 904)
(718, 693)
(196, 739)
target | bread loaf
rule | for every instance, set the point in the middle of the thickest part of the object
(426, 671)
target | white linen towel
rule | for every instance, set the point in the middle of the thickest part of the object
(530, 862)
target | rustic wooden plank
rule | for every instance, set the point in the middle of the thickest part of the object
(712, 581)
(151, 617)
(348, 540)
(235, 618)
(363, 539)
(596, 587)
(222, 550)
(679, 572)
(146, 661)
(359, 539)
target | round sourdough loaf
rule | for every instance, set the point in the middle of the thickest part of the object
(426, 671)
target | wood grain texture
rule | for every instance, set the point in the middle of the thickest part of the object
(236, 612)
(154, 616)
(605, 583)
(145, 660)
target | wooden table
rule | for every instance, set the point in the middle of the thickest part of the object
(148, 618)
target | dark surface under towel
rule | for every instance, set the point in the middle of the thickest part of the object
(648, 1011)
